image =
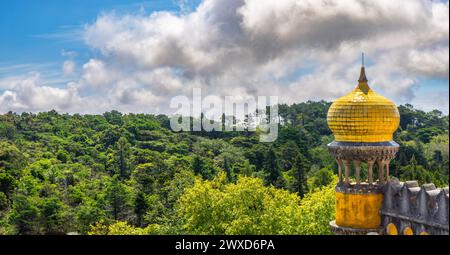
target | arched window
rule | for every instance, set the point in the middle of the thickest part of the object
(391, 229)
(408, 231)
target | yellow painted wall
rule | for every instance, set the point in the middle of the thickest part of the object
(358, 210)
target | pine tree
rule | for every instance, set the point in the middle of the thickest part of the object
(289, 152)
(272, 167)
(122, 155)
(197, 165)
(140, 207)
(117, 199)
(301, 166)
(226, 167)
(413, 162)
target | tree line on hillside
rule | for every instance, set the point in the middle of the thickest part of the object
(130, 174)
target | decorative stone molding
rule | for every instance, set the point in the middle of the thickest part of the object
(348, 154)
(363, 151)
(338, 230)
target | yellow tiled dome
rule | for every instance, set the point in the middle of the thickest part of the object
(363, 115)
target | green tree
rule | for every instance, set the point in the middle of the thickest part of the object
(7, 183)
(413, 171)
(299, 170)
(123, 228)
(88, 213)
(12, 159)
(114, 118)
(203, 166)
(247, 207)
(24, 215)
(226, 167)
(122, 157)
(289, 152)
(140, 207)
(145, 176)
(321, 178)
(4, 202)
(272, 168)
(52, 216)
(117, 197)
(317, 209)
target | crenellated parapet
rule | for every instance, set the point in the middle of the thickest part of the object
(412, 210)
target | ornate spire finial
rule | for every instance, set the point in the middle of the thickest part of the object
(363, 86)
(362, 76)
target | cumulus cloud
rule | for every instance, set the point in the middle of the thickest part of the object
(298, 50)
(432, 63)
(96, 74)
(26, 94)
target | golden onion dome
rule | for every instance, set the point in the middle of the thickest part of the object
(363, 115)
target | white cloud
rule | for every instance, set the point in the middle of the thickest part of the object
(428, 62)
(298, 50)
(96, 74)
(25, 94)
(68, 67)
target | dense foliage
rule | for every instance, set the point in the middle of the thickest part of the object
(130, 174)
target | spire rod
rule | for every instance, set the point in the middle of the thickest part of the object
(362, 76)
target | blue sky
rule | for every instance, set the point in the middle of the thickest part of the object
(91, 56)
(37, 32)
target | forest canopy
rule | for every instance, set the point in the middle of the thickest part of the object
(131, 174)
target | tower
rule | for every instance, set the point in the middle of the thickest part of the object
(363, 123)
